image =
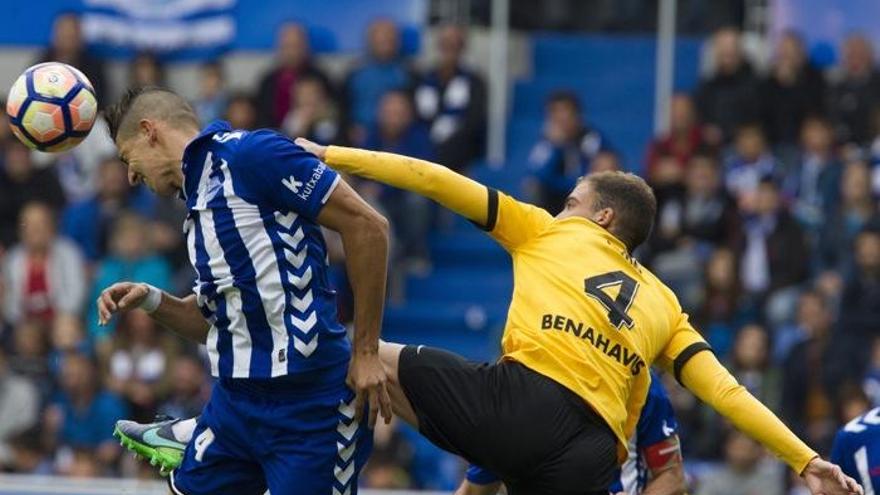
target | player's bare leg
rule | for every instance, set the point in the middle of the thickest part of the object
(389, 355)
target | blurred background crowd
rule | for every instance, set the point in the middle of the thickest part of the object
(767, 181)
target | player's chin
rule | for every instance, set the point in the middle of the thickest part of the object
(164, 189)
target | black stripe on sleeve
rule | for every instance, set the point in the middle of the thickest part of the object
(492, 213)
(685, 356)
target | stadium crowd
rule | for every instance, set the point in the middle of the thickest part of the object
(767, 230)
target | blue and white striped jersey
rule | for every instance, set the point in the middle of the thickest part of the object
(856, 449)
(260, 259)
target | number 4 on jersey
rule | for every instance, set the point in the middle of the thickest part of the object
(617, 308)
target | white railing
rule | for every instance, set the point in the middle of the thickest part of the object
(49, 485)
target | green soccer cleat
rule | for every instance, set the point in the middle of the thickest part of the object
(155, 442)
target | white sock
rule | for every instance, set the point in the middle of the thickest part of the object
(183, 430)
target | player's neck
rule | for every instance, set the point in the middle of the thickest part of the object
(177, 140)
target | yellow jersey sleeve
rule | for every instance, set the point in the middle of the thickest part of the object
(509, 221)
(713, 384)
(515, 222)
(684, 342)
(701, 373)
(454, 191)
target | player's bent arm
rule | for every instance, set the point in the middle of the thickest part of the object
(452, 190)
(365, 236)
(468, 488)
(670, 481)
(179, 315)
(703, 375)
(664, 460)
(183, 317)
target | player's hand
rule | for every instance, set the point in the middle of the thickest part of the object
(313, 148)
(120, 297)
(367, 378)
(824, 478)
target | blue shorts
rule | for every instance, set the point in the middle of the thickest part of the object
(289, 439)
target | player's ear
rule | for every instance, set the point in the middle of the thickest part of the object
(148, 129)
(604, 217)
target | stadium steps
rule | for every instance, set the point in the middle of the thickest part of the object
(613, 76)
(464, 248)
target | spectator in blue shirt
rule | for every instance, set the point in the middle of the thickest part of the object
(565, 153)
(88, 222)
(82, 415)
(381, 71)
(750, 163)
(452, 100)
(814, 183)
(213, 96)
(130, 258)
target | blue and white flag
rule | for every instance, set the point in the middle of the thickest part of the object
(171, 29)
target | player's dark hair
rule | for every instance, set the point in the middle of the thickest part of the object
(565, 97)
(147, 102)
(633, 203)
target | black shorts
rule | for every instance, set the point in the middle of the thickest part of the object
(536, 435)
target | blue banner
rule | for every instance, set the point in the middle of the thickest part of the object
(194, 29)
(172, 29)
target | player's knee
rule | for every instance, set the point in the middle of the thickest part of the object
(389, 355)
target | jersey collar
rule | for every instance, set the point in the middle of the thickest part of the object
(191, 151)
(209, 130)
(602, 231)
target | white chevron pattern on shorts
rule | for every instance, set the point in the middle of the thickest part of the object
(344, 470)
(347, 410)
(345, 452)
(343, 476)
(347, 430)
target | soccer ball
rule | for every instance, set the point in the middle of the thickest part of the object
(51, 107)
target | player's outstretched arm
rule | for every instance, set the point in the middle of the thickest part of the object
(364, 235)
(454, 191)
(179, 315)
(712, 383)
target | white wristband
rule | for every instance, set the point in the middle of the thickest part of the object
(153, 300)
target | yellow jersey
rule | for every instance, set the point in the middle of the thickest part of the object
(583, 312)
